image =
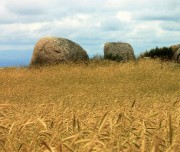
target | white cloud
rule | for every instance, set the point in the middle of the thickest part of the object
(124, 16)
(143, 23)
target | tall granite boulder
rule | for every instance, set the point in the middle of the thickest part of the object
(175, 47)
(118, 51)
(52, 50)
(176, 52)
(176, 56)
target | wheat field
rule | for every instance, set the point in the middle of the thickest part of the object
(100, 106)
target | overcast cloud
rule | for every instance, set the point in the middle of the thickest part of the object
(143, 23)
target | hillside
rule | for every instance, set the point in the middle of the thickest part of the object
(99, 106)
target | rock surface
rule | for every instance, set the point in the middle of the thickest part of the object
(52, 50)
(175, 47)
(176, 56)
(119, 50)
(176, 52)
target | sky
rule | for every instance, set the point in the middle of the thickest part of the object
(144, 24)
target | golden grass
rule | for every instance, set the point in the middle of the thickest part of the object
(103, 107)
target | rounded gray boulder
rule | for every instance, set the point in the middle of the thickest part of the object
(118, 51)
(52, 50)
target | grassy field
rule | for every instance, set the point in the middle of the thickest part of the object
(100, 106)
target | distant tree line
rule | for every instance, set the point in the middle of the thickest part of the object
(164, 53)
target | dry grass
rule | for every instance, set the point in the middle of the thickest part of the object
(103, 107)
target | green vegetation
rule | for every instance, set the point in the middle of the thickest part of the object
(164, 53)
(112, 57)
(98, 106)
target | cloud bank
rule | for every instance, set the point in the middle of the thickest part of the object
(144, 24)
